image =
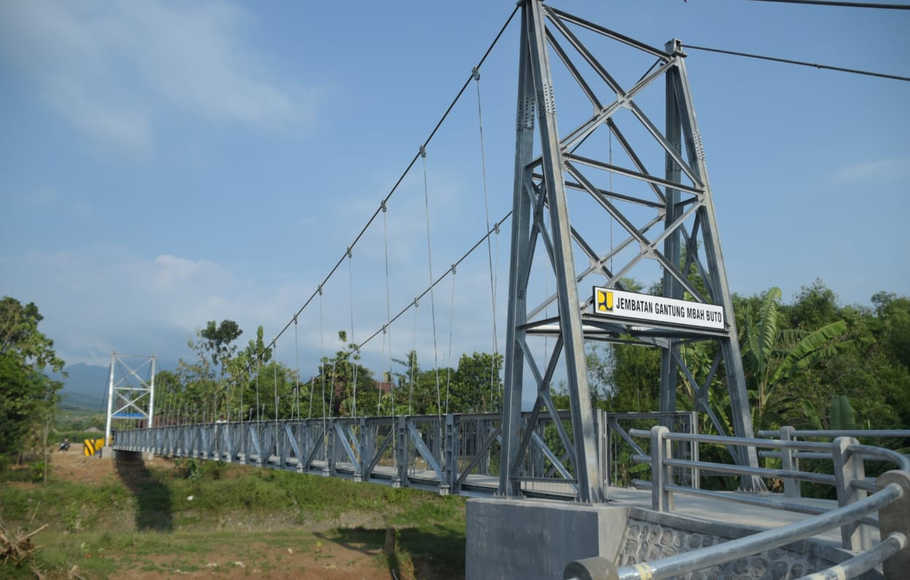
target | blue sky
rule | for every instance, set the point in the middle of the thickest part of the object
(169, 163)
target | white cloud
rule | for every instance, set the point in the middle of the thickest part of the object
(106, 67)
(879, 170)
(100, 299)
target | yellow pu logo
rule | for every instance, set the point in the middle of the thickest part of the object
(604, 301)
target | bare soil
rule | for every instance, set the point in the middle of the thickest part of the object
(73, 466)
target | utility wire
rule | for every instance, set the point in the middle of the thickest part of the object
(879, 5)
(407, 170)
(799, 62)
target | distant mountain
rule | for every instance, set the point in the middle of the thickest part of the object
(85, 387)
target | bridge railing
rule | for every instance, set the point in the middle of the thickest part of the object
(449, 452)
(622, 446)
(890, 497)
(790, 458)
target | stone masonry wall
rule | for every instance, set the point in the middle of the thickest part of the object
(646, 540)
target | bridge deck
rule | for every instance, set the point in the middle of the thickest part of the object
(707, 509)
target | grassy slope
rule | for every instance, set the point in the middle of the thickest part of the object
(160, 519)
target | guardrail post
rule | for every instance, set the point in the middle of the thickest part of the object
(331, 446)
(603, 447)
(401, 453)
(895, 518)
(790, 462)
(451, 456)
(367, 448)
(693, 451)
(661, 475)
(324, 441)
(848, 468)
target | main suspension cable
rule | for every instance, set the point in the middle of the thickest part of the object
(415, 302)
(799, 63)
(842, 4)
(400, 179)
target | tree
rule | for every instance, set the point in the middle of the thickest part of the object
(217, 344)
(340, 374)
(218, 341)
(475, 386)
(19, 335)
(27, 397)
(773, 354)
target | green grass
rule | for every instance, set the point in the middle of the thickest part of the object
(165, 519)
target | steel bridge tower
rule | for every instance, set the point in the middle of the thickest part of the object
(130, 395)
(680, 236)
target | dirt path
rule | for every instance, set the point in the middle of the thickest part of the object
(73, 466)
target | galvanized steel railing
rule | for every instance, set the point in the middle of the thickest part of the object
(424, 451)
(454, 453)
(790, 458)
(890, 497)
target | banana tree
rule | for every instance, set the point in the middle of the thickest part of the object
(773, 355)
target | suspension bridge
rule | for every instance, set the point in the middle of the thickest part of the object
(565, 291)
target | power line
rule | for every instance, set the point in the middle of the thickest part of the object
(878, 5)
(404, 173)
(799, 62)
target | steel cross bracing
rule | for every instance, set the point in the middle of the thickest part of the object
(681, 237)
(452, 454)
(129, 394)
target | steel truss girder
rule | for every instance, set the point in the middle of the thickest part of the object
(452, 447)
(463, 447)
(540, 213)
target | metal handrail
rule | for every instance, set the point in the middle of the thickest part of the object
(864, 562)
(882, 454)
(760, 542)
(731, 469)
(739, 441)
(868, 451)
(856, 508)
(880, 433)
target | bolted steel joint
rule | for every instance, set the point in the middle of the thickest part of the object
(675, 47)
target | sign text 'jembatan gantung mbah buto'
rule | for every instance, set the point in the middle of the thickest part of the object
(658, 309)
